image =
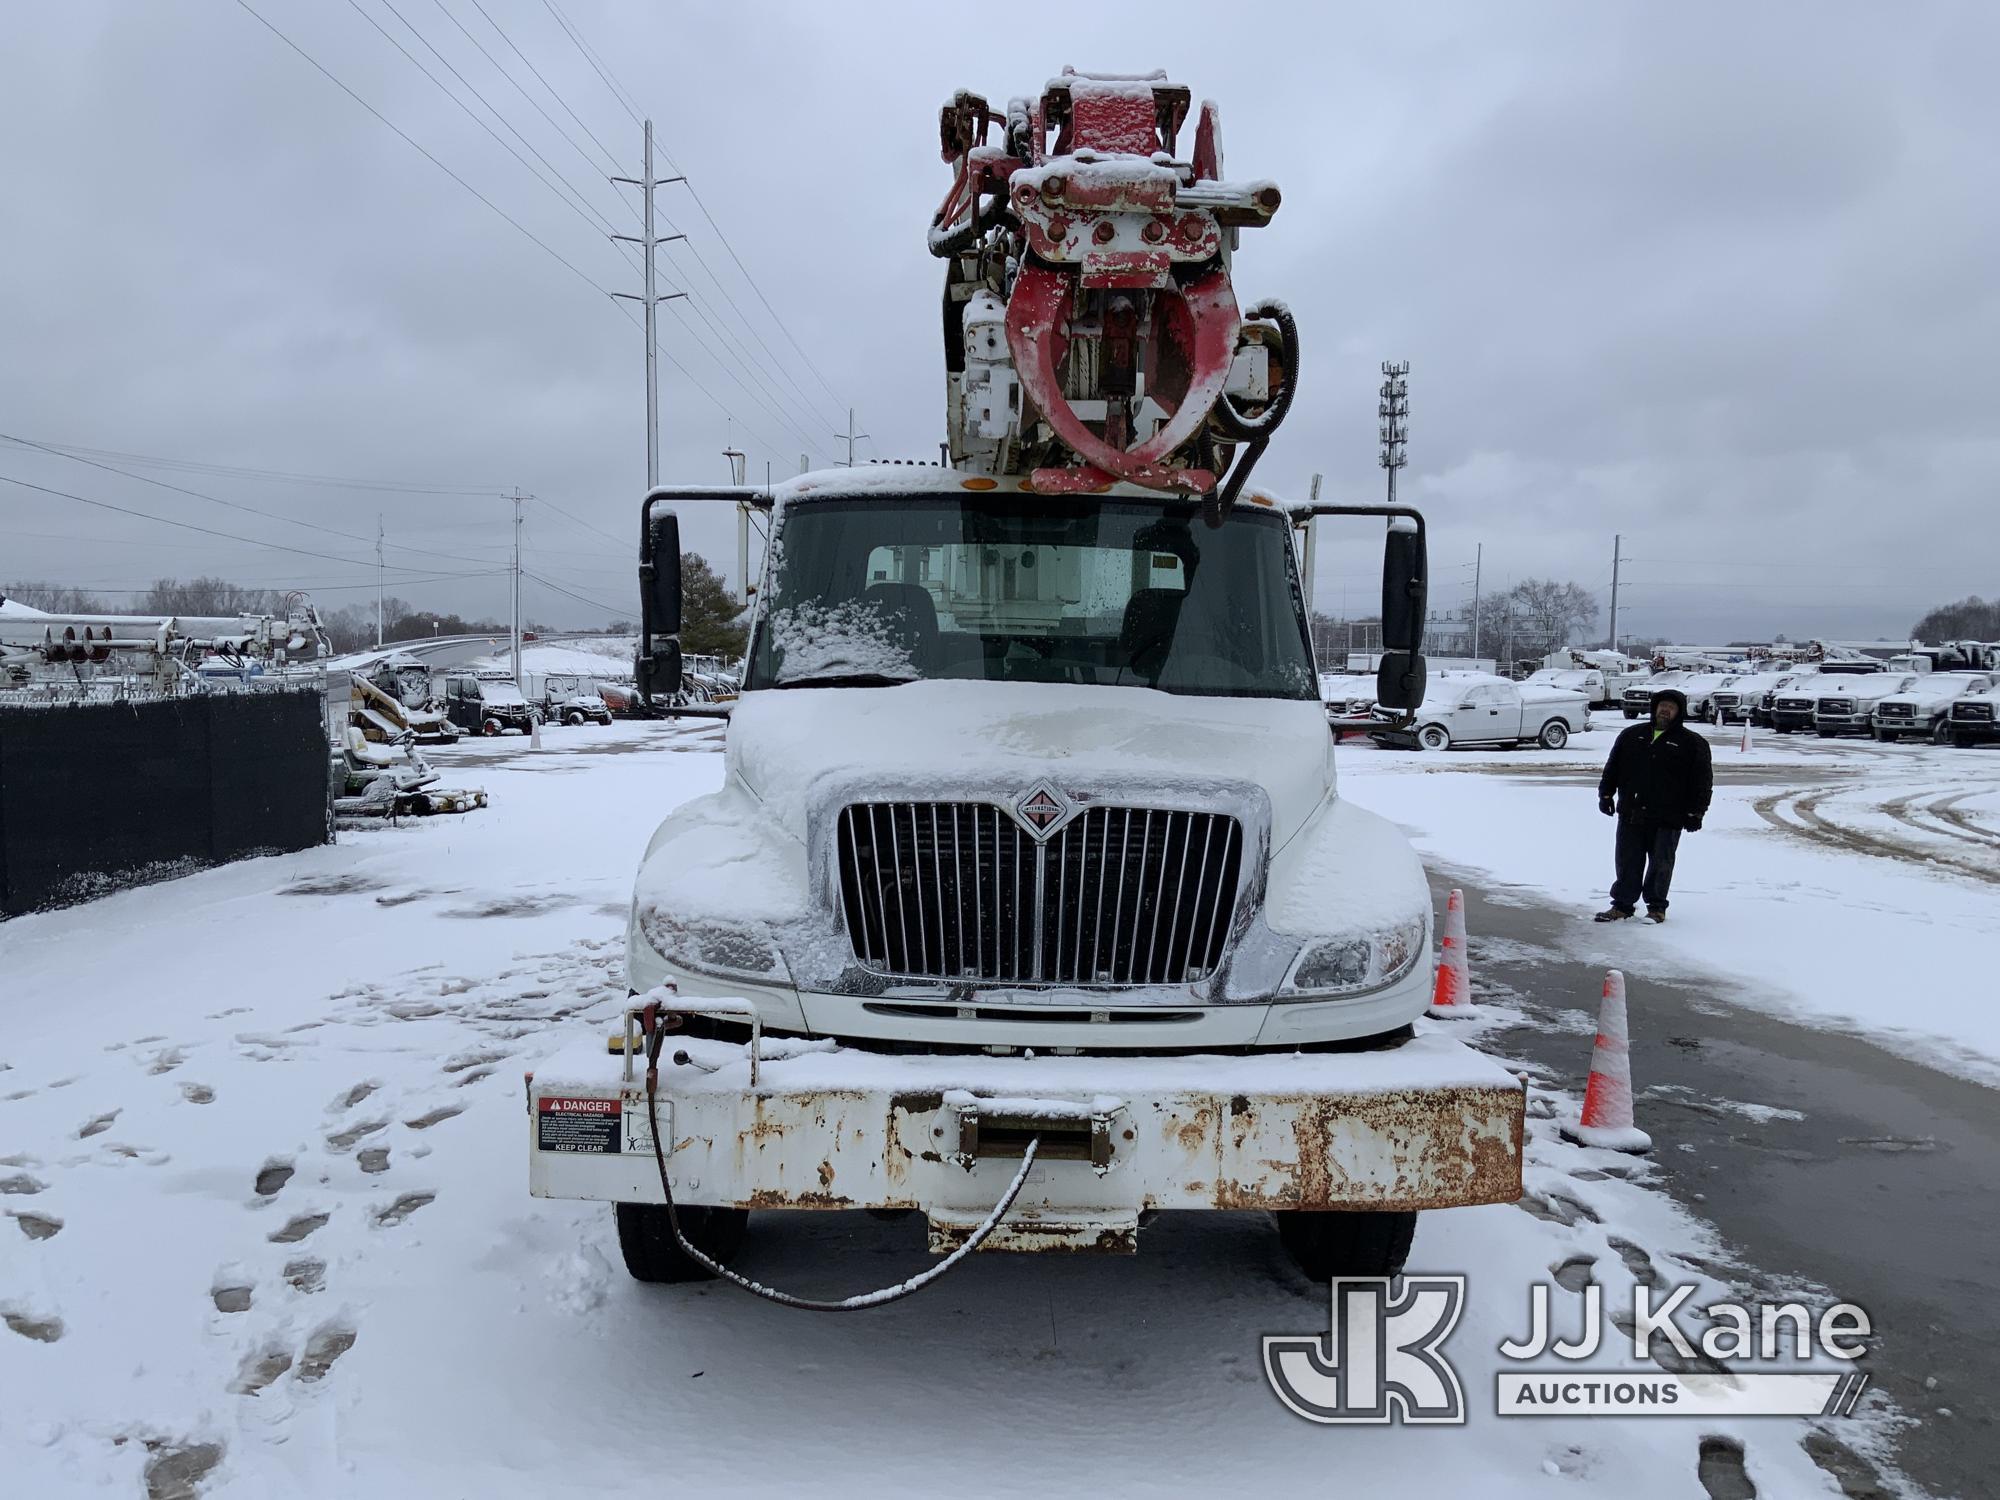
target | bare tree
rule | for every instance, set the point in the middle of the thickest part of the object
(1971, 619)
(1541, 614)
(55, 598)
(206, 596)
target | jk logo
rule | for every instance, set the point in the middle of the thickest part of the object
(1380, 1361)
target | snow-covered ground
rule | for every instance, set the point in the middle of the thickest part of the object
(1841, 883)
(262, 1152)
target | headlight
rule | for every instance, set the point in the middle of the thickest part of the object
(1355, 962)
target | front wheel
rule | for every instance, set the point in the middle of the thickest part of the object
(1355, 1242)
(1826, 734)
(1434, 737)
(1631, 713)
(1882, 735)
(1962, 741)
(572, 718)
(1554, 735)
(490, 727)
(646, 1239)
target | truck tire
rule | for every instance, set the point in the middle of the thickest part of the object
(489, 727)
(1961, 741)
(1883, 736)
(1434, 737)
(1554, 735)
(653, 1254)
(1940, 733)
(573, 718)
(1826, 734)
(1631, 713)
(1354, 1242)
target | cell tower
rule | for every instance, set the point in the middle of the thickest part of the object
(1395, 414)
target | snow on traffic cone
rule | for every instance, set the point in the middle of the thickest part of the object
(535, 733)
(1745, 747)
(1451, 999)
(1607, 1100)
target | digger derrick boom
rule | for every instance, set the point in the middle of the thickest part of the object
(1092, 332)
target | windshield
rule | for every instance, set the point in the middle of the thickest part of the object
(1106, 592)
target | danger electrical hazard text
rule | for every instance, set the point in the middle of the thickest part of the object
(578, 1125)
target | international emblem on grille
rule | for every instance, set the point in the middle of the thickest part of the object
(1041, 809)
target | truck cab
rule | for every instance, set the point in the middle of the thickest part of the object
(488, 706)
(1030, 828)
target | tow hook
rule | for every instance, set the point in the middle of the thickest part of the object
(990, 1128)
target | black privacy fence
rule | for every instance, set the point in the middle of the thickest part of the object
(98, 796)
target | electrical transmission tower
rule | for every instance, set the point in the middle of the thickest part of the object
(648, 243)
(1395, 414)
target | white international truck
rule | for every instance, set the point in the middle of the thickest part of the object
(1029, 902)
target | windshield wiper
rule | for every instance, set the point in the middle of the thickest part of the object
(845, 679)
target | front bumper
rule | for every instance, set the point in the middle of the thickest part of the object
(1973, 729)
(1425, 1124)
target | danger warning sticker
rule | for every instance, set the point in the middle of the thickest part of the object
(577, 1125)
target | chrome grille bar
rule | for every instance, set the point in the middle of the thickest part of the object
(1117, 909)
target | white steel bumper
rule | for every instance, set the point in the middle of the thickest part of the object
(1426, 1124)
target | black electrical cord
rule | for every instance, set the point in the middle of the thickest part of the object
(1255, 431)
(655, 1034)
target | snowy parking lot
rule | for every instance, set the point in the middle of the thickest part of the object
(262, 1151)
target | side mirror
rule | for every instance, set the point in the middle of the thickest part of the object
(660, 574)
(1399, 681)
(1405, 587)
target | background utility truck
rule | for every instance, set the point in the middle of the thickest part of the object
(1029, 902)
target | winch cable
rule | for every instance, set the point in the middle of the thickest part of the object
(655, 1036)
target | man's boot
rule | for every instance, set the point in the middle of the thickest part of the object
(1656, 914)
(1612, 914)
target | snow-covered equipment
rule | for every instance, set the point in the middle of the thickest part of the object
(168, 652)
(1451, 995)
(1606, 1119)
(1091, 329)
(1028, 847)
(1475, 709)
(381, 773)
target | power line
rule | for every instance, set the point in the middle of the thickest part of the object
(553, 93)
(230, 504)
(204, 530)
(282, 476)
(572, 200)
(411, 141)
(615, 609)
(533, 102)
(598, 530)
(576, 38)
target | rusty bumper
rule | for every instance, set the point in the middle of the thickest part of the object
(1428, 1124)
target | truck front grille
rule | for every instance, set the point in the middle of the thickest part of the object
(1898, 711)
(959, 890)
(1838, 706)
(1970, 712)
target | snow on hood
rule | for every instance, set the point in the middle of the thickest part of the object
(787, 744)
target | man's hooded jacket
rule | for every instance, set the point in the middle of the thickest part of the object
(1661, 775)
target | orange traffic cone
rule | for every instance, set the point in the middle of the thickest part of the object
(1607, 1100)
(1451, 999)
(1745, 747)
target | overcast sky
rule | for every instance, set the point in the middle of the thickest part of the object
(1718, 277)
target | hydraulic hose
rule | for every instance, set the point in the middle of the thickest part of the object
(1255, 431)
(655, 1036)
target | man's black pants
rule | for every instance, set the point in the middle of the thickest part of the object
(1645, 860)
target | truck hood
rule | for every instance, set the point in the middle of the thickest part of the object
(794, 747)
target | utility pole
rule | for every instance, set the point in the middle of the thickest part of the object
(850, 435)
(1617, 545)
(1394, 411)
(517, 587)
(1308, 561)
(737, 462)
(1478, 564)
(378, 580)
(648, 242)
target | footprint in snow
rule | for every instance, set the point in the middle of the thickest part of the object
(1573, 1275)
(343, 1140)
(98, 1125)
(197, 1093)
(231, 1296)
(176, 1472)
(20, 1184)
(36, 1226)
(43, 1329)
(167, 1061)
(374, 1159)
(322, 1349)
(436, 1117)
(259, 1368)
(306, 1274)
(275, 1173)
(402, 1208)
(1720, 1470)
(355, 1095)
(298, 1228)
(1637, 1261)
(473, 1077)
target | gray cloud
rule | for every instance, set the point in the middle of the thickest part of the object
(1716, 277)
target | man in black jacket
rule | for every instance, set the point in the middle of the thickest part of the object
(1658, 782)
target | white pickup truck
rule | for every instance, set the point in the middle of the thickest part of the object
(1846, 705)
(1028, 901)
(1473, 710)
(1920, 711)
